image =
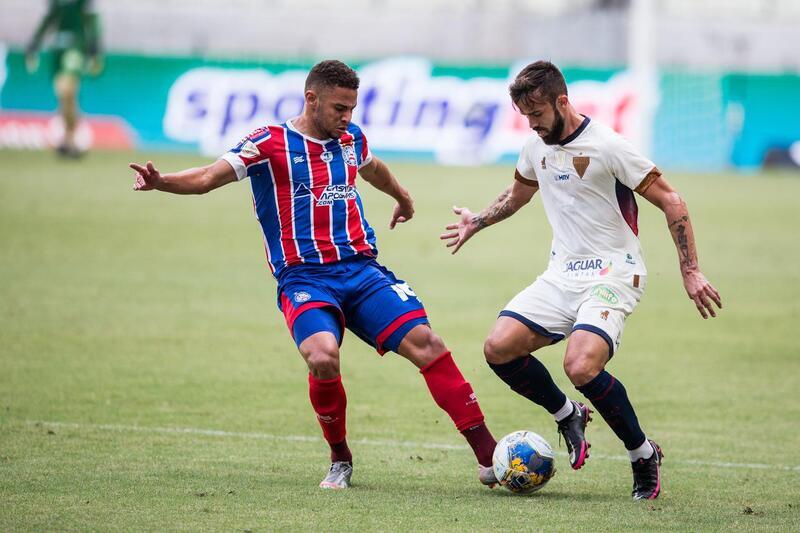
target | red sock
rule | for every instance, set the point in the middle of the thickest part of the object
(454, 394)
(330, 404)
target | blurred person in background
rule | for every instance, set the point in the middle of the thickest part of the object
(587, 175)
(76, 51)
(322, 252)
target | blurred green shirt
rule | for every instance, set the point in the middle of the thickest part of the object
(75, 25)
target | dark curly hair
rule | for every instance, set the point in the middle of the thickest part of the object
(540, 81)
(332, 73)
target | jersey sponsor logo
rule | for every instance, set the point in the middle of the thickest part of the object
(629, 259)
(327, 157)
(606, 294)
(562, 177)
(298, 159)
(334, 193)
(582, 265)
(301, 296)
(301, 190)
(580, 164)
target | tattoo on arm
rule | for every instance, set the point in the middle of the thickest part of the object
(499, 210)
(682, 219)
(682, 234)
(683, 246)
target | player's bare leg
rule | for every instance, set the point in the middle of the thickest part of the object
(508, 351)
(452, 393)
(327, 394)
(66, 89)
(584, 364)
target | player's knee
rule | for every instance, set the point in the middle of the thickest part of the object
(497, 351)
(323, 363)
(425, 345)
(580, 370)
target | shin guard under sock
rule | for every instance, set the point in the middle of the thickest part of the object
(454, 394)
(611, 400)
(528, 377)
(329, 401)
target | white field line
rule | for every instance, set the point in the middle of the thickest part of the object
(371, 442)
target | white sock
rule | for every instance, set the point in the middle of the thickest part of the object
(565, 411)
(645, 451)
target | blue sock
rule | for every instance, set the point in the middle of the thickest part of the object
(611, 400)
(528, 377)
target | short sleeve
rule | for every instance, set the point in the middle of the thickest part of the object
(366, 153)
(251, 150)
(525, 163)
(627, 164)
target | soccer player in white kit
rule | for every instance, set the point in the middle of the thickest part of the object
(587, 175)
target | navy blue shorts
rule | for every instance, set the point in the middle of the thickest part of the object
(366, 297)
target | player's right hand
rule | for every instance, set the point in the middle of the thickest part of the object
(461, 231)
(147, 177)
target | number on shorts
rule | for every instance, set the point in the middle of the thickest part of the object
(403, 291)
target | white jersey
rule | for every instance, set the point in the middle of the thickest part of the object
(586, 184)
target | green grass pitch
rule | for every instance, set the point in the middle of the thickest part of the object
(147, 381)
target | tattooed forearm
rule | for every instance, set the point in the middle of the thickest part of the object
(683, 247)
(500, 209)
(682, 234)
(684, 218)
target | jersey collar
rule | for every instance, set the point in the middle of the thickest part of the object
(572, 136)
(292, 127)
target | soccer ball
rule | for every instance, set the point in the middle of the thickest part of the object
(523, 462)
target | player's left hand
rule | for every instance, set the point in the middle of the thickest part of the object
(403, 212)
(701, 292)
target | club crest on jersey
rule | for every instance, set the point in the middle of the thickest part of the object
(333, 193)
(349, 154)
(581, 164)
(301, 296)
(326, 157)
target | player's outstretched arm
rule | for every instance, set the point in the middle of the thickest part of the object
(190, 181)
(515, 196)
(377, 174)
(662, 195)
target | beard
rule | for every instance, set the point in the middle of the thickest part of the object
(556, 130)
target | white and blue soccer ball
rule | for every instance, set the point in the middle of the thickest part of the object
(523, 462)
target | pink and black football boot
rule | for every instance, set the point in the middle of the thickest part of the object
(647, 475)
(572, 429)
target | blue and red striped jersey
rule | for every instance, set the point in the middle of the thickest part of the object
(305, 195)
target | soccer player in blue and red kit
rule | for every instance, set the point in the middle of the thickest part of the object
(322, 253)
